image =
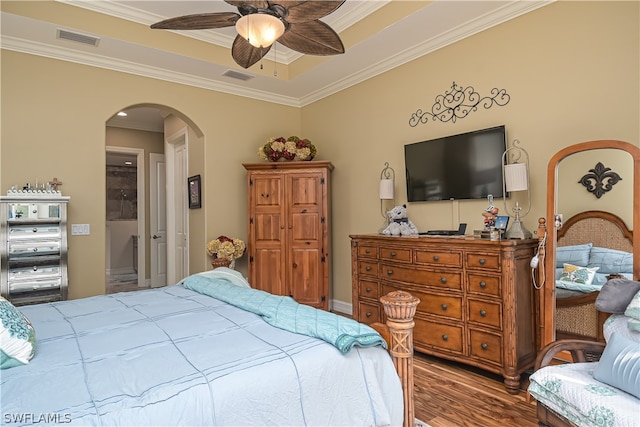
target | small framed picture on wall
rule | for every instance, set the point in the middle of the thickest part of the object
(195, 192)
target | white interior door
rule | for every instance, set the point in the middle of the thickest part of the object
(158, 220)
(181, 216)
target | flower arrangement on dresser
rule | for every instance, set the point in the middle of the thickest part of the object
(225, 251)
(290, 149)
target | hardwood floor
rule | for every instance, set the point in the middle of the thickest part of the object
(449, 394)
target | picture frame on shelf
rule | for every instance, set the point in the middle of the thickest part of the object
(194, 188)
(502, 222)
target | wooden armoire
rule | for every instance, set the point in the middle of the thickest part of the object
(289, 228)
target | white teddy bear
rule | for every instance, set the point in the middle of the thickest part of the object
(399, 223)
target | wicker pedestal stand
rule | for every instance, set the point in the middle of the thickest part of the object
(223, 262)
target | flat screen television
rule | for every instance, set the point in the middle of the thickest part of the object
(458, 167)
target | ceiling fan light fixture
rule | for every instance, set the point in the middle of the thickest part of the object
(260, 29)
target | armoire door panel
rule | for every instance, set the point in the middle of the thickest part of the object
(267, 227)
(305, 276)
(304, 190)
(267, 271)
(268, 191)
(305, 227)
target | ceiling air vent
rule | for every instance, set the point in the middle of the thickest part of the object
(237, 75)
(76, 37)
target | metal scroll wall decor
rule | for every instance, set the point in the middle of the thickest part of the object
(458, 103)
(600, 180)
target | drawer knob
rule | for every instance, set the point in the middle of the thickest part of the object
(484, 346)
(445, 337)
(393, 254)
(368, 268)
(368, 289)
(482, 261)
(444, 307)
(35, 268)
(483, 313)
(483, 285)
(436, 258)
(389, 272)
(35, 230)
(367, 251)
(368, 314)
(35, 249)
(443, 280)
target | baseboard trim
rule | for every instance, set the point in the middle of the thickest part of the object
(341, 307)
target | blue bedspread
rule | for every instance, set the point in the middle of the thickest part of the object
(285, 313)
(174, 357)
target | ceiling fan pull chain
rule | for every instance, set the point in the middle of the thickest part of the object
(275, 60)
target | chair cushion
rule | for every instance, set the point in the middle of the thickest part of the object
(574, 254)
(17, 336)
(616, 295)
(610, 260)
(571, 391)
(619, 365)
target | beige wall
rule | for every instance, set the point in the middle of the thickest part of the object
(571, 69)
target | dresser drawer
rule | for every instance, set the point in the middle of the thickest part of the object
(485, 261)
(486, 346)
(369, 313)
(367, 251)
(484, 285)
(445, 306)
(35, 285)
(369, 268)
(369, 289)
(438, 335)
(447, 259)
(21, 248)
(392, 254)
(485, 313)
(34, 272)
(35, 231)
(437, 279)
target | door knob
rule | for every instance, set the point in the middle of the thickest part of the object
(155, 236)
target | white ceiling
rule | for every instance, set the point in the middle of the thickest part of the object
(433, 25)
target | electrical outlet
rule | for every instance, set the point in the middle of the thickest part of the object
(80, 230)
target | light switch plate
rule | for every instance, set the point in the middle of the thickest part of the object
(80, 230)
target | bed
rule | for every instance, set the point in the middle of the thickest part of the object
(601, 244)
(209, 351)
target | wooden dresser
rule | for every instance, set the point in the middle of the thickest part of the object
(476, 296)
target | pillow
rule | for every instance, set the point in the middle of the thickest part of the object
(577, 278)
(233, 276)
(634, 324)
(616, 295)
(610, 260)
(619, 365)
(17, 337)
(633, 309)
(575, 254)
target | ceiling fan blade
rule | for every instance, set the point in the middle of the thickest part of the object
(200, 21)
(245, 54)
(258, 4)
(313, 38)
(305, 11)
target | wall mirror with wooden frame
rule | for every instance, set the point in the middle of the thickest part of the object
(608, 221)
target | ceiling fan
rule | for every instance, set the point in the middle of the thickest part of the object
(295, 24)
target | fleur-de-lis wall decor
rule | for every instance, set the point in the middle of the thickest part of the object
(458, 103)
(600, 180)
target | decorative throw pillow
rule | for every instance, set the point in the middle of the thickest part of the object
(577, 278)
(633, 309)
(574, 254)
(616, 295)
(17, 337)
(619, 365)
(633, 324)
